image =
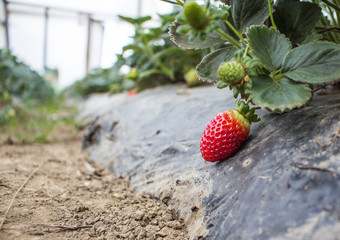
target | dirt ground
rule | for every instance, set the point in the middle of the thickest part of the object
(66, 197)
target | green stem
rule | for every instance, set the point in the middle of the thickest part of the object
(233, 41)
(331, 4)
(278, 77)
(332, 15)
(277, 72)
(271, 14)
(158, 63)
(248, 100)
(246, 51)
(180, 3)
(236, 32)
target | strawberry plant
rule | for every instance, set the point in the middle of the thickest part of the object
(18, 80)
(20, 83)
(275, 46)
(152, 57)
(268, 54)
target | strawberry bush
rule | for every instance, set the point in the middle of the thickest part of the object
(151, 58)
(268, 54)
(282, 57)
(19, 84)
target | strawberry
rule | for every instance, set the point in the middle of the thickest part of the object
(225, 133)
(195, 15)
(231, 72)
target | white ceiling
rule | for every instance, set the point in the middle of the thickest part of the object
(105, 8)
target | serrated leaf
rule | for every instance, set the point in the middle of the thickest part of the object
(298, 21)
(207, 68)
(268, 45)
(245, 13)
(313, 63)
(278, 96)
(182, 40)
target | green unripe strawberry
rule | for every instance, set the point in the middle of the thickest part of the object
(191, 77)
(133, 74)
(231, 72)
(195, 15)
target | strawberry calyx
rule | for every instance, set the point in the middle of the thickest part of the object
(249, 113)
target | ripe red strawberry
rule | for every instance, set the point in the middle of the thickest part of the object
(225, 133)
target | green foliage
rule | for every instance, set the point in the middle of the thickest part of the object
(39, 123)
(268, 45)
(297, 22)
(17, 79)
(19, 82)
(153, 59)
(280, 53)
(100, 80)
(329, 23)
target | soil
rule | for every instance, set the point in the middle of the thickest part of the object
(67, 197)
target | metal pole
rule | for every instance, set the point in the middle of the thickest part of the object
(139, 8)
(89, 21)
(5, 2)
(45, 39)
(101, 44)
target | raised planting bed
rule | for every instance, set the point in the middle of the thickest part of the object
(284, 182)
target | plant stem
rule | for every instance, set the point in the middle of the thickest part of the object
(278, 77)
(331, 4)
(271, 14)
(332, 15)
(328, 30)
(246, 51)
(277, 71)
(236, 32)
(233, 41)
(158, 63)
(248, 100)
(180, 3)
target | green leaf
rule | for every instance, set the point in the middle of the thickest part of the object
(313, 63)
(135, 20)
(297, 22)
(207, 69)
(133, 47)
(169, 51)
(182, 40)
(278, 96)
(313, 37)
(245, 13)
(268, 45)
(221, 85)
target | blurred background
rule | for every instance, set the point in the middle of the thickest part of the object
(55, 54)
(65, 39)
